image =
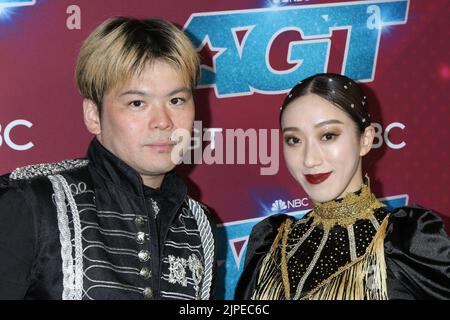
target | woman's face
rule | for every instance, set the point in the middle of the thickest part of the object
(322, 148)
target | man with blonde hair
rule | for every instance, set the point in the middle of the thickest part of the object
(117, 224)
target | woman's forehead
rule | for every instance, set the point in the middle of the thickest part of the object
(311, 109)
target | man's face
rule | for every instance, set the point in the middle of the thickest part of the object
(138, 119)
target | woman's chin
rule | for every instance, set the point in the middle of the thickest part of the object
(319, 197)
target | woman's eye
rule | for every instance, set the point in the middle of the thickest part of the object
(137, 103)
(329, 136)
(177, 101)
(291, 140)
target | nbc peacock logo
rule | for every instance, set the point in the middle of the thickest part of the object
(279, 205)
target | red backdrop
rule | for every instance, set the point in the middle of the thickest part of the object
(408, 91)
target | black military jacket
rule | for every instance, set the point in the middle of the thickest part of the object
(89, 229)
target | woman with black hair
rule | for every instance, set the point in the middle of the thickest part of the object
(350, 246)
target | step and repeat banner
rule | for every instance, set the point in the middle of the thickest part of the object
(252, 53)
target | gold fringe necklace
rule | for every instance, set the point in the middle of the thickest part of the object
(364, 277)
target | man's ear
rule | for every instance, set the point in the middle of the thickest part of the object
(367, 140)
(91, 117)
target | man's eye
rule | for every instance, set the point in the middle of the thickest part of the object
(177, 101)
(137, 103)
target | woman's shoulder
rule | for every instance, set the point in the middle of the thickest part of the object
(417, 229)
(417, 251)
(270, 223)
(267, 229)
(259, 243)
(410, 220)
(264, 232)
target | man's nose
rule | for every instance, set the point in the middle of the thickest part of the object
(160, 118)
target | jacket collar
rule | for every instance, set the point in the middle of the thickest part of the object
(117, 172)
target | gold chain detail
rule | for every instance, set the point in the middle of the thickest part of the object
(379, 236)
(284, 267)
(346, 211)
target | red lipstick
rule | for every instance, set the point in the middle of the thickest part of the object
(317, 178)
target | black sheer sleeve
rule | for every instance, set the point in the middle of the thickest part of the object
(417, 253)
(17, 243)
(259, 243)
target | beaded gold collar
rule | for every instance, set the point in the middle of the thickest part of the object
(332, 253)
(347, 210)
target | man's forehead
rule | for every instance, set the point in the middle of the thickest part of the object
(148, 74)
(147, 92)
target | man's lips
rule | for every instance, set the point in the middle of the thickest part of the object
(161, 146)
(317, 178)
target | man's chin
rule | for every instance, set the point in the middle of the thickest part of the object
(156, 171)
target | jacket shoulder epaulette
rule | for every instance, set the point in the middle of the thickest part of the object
(198, 203)
(46, 169)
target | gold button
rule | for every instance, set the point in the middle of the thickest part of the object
(143, 255)
(139, 221)
(145, 273)
(140, 237)
(148, 293)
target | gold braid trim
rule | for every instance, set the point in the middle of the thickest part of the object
(284, 268)
(346, 211)
(270, 284)
(365, 278)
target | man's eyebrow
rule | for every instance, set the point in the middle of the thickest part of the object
(178, 90)
(146, 94)
(134, 92)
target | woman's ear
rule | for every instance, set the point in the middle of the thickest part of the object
(91, 117)
(367, 140)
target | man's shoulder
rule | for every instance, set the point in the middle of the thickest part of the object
(202, 214)
(36, 171)
(32, 181)
(196, 205)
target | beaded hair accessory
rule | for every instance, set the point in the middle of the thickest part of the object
(364, 119)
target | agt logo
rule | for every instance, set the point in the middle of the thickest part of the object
(240, 43)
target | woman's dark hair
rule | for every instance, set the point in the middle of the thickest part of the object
(340, 90)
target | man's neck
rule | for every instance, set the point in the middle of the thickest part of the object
(153, 181)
